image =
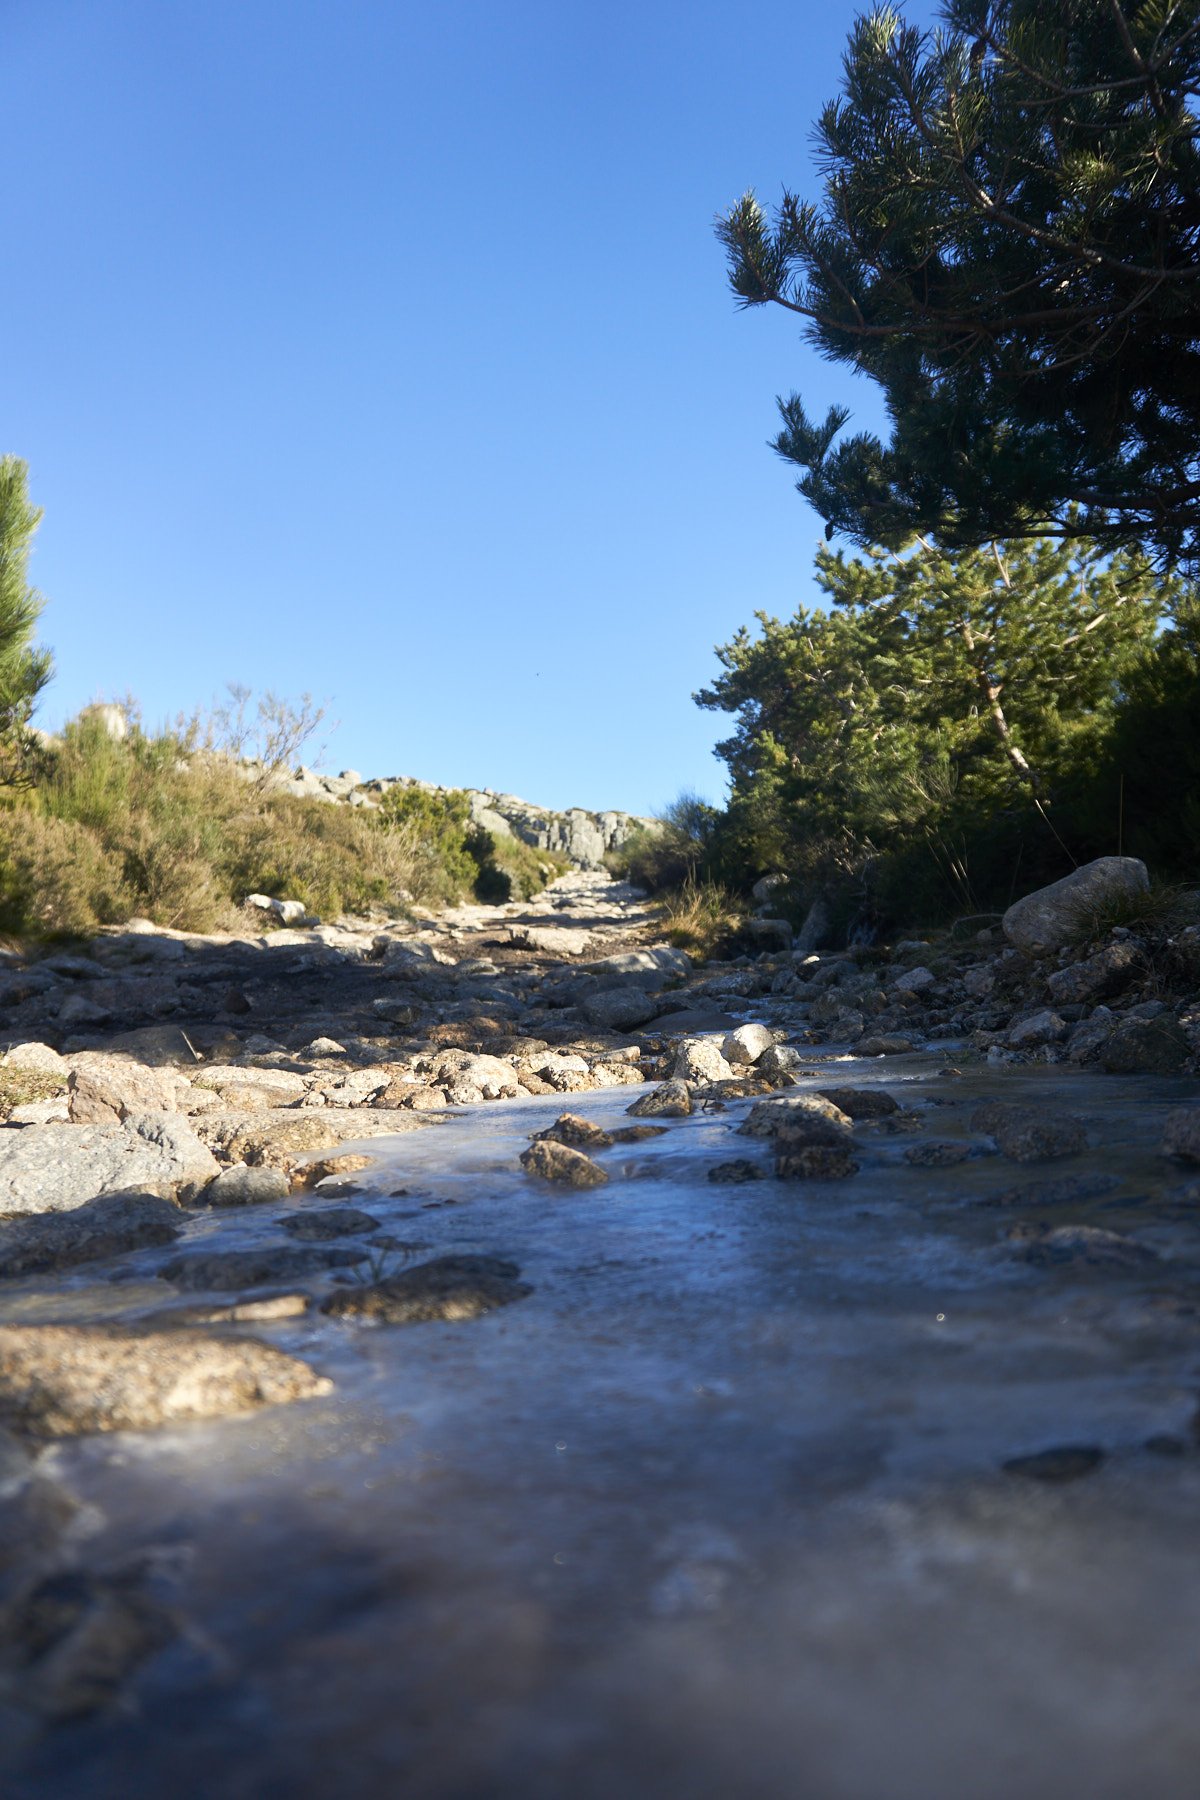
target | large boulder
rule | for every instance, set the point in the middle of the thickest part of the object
(1051, 916)
(55, 1168)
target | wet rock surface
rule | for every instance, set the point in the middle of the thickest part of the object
(58, 1381)
(449, 1288)
(110, 1226)
(770, 1393)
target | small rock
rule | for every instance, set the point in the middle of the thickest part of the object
(884, 1045)
(813, 1162)
(449, 1287)
(570, 1129)
(229, 1270)
(670, 1101)
(861, 1103)
(804, 1119)
(264, 1309)
(330, 1222)
(619, 1009)
(1066, 1463)
(559, 1163)
(1099, 977)
(741, 1169)
(1045, 1246)
(316, 1169)
(1066, 1189)
(914, 981)
(747, 1044)
(938, 1155)
(1181, 1134)
(637, 1134)
(699, 1059)
(1146, 1047)
(777, 1060)
(62, 1380)
(1043, 1027)
(242, 1185)
(1026, 1135)
(552, 940)
(38, 1058)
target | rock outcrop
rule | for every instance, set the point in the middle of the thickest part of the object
(583, 838)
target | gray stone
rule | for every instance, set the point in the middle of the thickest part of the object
(550, 940)
(801, 1119)
(778, 1060)
(1024, 1134)
(813, 1162)
(861, 1103)
(619, 1009)
(648, 969)
(562, 1165)
(1181, 1134)
(739, 1170)
(699, 1059)
(747, 1044)
(225, 1271)
(244, 1185)
(329, 1222)
(1146, 1047)
(63, 1380)
(101, 1088)
(449, 1287)
(1052, 916)
(815, 930)
(914, 981)
(883, 1045)
(38, 1058)
(1067, 1462)
(111, 1226)
(1043, 1027)
(937, 1154)
(1046, 1246)
(1099, 977)
(55, 1168)
(670, 1101)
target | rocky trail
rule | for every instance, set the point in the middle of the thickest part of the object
(493, 1355)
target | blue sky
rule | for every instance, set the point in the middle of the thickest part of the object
(385, 352)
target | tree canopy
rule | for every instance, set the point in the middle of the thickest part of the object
(1009, 244)
(939, 711)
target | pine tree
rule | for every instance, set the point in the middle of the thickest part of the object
(941, 692)
(24, 670)
(1009, 244)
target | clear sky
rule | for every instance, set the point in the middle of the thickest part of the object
(384, 351)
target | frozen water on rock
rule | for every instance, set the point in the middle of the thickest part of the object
(718, 1510)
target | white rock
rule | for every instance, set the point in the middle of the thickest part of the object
(746, 1044)
(700, 1059)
